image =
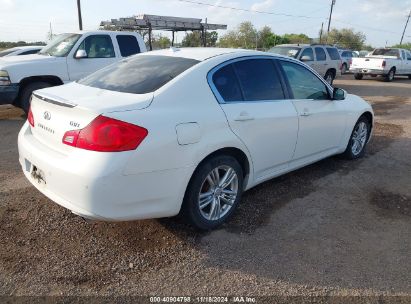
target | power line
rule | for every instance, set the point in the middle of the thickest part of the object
(249, 10)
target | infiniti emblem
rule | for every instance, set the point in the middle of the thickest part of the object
(47, 115)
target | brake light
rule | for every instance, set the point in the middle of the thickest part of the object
(384, 63)
(350, 61)
(30, 118)
(106, 134)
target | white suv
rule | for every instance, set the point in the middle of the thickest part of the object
(324, 59)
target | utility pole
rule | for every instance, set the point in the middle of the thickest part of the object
(321, 32)
(405, 28)
(329, 19)
(80, 21)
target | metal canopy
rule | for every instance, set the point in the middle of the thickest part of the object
(163, 23)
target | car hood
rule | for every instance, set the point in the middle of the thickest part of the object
(94, 99)
(27, 59)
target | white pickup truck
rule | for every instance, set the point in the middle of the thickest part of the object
(386, 62)
(67, 58)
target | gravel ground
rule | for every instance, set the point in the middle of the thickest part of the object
(335, 228)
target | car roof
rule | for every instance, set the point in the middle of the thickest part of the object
(202, 53)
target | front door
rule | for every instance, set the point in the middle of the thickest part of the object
(322, 121)
(259, 112)
(100, 53)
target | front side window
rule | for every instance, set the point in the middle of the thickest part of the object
(403, 55)
(98, 46)
(61, 45)
(333, 53)
(408, 55)
(128, 45)
(140, 74)
(308, 52)
(320, 54)
(29, 52)
(303, 83)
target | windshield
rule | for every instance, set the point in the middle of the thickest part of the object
(61, 45)
(6, 52)
(386, 52)
(289, 51)
(139, 74)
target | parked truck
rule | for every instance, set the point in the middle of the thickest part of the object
(385, 62)
(67, 58)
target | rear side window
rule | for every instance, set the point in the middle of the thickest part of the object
(259, 80)
(320, 54)
(333, 53)
(346, 54)
(128, 45)
(140, 74)
(227, 84)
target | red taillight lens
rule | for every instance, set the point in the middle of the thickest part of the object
(384, 63)
(106, 134)
(350, 61)
(30, 118)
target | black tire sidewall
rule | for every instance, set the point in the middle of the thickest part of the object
(387, 77)
(348, 152)
(28, 90)
(358, 76)
(190, 208)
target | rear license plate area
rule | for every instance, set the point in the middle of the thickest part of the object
(38, 175)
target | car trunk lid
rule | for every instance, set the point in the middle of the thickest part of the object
(71, 107)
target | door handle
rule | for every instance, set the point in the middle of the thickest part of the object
(305, 114)
(244, 116)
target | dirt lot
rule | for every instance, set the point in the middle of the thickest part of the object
(334, 228)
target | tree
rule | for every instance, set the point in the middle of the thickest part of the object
(403, 46)
(160, 42)
(346, 38)
(244, 36)
(194, 39)
(297, 38)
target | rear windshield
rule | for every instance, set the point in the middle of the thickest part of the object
(289, 51)
(386, 52)
(139, 74)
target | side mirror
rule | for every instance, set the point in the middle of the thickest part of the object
(339, 94)
(80, 54)
(306, 58)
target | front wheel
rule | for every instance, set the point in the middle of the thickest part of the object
(24, 99)
(358, 76)
(213, 193)
(358, 140)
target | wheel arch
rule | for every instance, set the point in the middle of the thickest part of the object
(370, 117)
(52, 79)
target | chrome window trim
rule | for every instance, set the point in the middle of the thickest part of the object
(221, 100)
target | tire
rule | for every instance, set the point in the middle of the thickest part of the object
(390, 76)
(351, 152)
(409, 76)
(358, 76)
(329, 77)
(344, 68)
(203, 217)
(25, 94)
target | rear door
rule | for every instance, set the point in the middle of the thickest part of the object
(322, 121)
(100, 53)
(321, 63)
(254, 99)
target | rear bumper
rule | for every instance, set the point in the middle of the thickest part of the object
(8, 93)
(368, 71)
(93, 185)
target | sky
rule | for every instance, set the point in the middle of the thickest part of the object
(382, 21)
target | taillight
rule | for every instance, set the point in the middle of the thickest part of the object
(106, 134)
(30, 117)
(350, 61)
(384, 63)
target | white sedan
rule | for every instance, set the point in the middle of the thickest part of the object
(184, 131)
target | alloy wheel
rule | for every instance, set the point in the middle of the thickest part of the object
(218, 193)
(359, 138)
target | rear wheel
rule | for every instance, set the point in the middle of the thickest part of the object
(329, 77)
(358, 140)
(390, 76)
(213, 193)
(358, 76)
(24, 99)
